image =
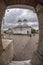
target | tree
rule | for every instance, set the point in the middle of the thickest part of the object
(33, 31)
(5, 32)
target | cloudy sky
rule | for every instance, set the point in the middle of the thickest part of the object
(13, 15)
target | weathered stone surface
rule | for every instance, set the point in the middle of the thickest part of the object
(27, 62)
(37, 59)
(8, 53)
(2, 9)
(38, 55)
(40, 47)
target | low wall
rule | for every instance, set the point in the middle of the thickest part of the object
(7, 54)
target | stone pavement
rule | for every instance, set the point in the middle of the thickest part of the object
(24, 47)
(27, 62)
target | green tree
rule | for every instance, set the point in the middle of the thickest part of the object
(33, 31)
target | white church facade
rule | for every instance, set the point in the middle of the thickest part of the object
(22, 29)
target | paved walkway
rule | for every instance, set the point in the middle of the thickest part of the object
(24, 46)
(27, 51)
(20, 62)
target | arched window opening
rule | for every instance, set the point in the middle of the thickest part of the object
(21, 25)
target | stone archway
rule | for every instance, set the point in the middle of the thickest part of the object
(37, 58)
(2, 10)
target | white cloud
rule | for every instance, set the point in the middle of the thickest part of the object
(12, 16)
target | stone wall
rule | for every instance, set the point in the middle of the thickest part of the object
(2, 9)
(37, 58)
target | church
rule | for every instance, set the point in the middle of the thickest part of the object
(22, 29)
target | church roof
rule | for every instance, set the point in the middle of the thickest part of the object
(25, 20)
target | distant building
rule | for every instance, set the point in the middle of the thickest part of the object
(22, 29)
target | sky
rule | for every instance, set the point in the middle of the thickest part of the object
(13, 15)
